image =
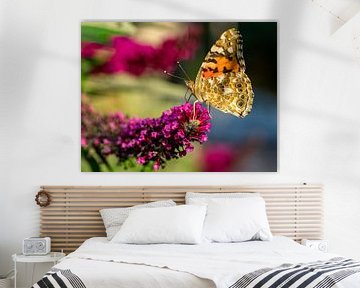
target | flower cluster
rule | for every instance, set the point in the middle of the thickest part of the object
(151, 141)
(89, 49)
(124, 54)
(99, 131)
(219, 157)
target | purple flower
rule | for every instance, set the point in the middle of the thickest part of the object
(129, 56)
(98, 131)
(83, 142)
(151, 141)
(141, 160)
(156, 165)
(126, 55)
(219, 157)
(89, 49)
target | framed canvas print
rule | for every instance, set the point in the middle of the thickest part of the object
(178, 96)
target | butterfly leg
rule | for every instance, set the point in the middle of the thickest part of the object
(190, 96)
(209, 109)
(194, 108)
(187, 99)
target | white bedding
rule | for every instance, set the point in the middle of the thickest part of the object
(100, 263)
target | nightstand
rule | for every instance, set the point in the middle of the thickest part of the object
(320, 245)
(53, 257)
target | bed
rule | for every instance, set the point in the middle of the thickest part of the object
(99, 263)
(294, 211)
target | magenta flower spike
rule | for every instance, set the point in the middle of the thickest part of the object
(150, 141)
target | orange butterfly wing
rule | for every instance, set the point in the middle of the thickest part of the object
(221, 80)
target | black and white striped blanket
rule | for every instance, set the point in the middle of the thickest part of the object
(57, 278)
(320, 274)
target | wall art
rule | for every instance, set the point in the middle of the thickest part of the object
(178, 97)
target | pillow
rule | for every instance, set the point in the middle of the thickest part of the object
(173, 225)
(113, 218)
(203, 198)
(236, 220)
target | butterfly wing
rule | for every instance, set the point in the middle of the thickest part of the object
(221, 80)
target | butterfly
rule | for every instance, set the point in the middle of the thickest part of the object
(221, 81)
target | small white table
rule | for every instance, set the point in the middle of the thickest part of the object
(53, 257)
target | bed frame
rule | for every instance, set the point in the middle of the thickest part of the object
(73, 214)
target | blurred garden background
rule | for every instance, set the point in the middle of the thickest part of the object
(134, 117)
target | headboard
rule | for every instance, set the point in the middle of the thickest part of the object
(73, 214)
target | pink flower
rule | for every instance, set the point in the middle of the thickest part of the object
(156, 165)
(141, 160)
(125, 55)
(218, 158)
(151, 141)
(89, 49)
(83, 142)
(129, 56)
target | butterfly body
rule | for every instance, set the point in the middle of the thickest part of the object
(221, 80)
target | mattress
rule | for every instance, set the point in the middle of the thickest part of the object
(99, 263)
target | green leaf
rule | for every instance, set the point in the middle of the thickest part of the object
(94, 165)
(104, 160)
(92, 33)
(86, 66)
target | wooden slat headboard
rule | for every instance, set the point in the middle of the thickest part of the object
(73, 215)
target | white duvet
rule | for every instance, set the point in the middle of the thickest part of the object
(100, 263)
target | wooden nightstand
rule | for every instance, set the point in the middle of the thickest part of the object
(53, 257)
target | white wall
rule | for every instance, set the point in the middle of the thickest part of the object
(319, 100)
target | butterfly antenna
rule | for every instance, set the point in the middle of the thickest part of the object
(172, 75)
(183, 70)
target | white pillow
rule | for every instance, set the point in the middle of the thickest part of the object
(203, 198)
(236, 220)
(113, 218)
(180, 224)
